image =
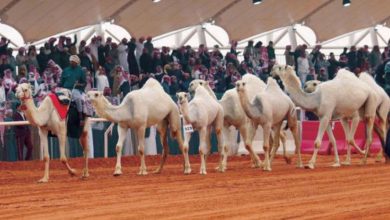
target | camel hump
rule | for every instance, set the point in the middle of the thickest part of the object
(201, 91)
(345, 74)
(250, 78)
(152, 83)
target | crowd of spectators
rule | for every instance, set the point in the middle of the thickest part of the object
(117, 68)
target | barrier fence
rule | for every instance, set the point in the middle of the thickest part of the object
(103, 135)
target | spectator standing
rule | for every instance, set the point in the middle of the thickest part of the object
(374, 58)
(132, 61)
(22, 134)
(149, 45)
(352, 58)
(4, 45)
(101, 79)
(122, 54)
(333, 66)
(289, 56)
(303, 67)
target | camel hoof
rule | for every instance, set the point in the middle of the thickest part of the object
(267, 169)
(363, 162)
(72, 172)
(256, 164)
(85, 174)
(157, 171)
(187, 170)
(346, 163)
(202, 172)
(221, 169)
(337, 164)
(309, 166)
(43, 180)
(378, 158)
(299, 165)
(142, 173)
(288, 160)
(117, 173)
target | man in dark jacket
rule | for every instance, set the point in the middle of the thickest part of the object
(23, 134)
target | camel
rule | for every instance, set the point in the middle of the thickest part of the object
(235, 116)
(382, 111)
(269, 108)
(343, 98)
(46, 118)
(203, 112)
(140, 109)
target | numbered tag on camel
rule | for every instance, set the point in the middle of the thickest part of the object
(188, 128)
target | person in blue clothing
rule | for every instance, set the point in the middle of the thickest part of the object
(74, 79)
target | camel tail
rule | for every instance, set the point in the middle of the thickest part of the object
(175, 127)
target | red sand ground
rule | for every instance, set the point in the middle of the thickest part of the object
(240, 193)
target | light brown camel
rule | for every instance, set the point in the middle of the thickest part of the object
(140, 109)
(269, 108)
(340, 98)
(46, 118)
(203, 112)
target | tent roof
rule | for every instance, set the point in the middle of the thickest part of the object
(37, 19)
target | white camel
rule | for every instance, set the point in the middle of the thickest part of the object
(46, 118)
(140, 109)
(234, 114)
(269, 108)
(383, 106)
(203, 113)
(340, 98)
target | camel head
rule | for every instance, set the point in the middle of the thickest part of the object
(195, 83)
(182, 97)
(23, 91)
(240, 86)
(94, 96)
(311, 86)
(281, 70)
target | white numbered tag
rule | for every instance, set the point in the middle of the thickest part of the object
(188, 128)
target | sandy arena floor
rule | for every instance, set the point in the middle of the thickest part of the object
(240, 193)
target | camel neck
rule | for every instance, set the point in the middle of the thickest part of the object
(31, 112)
(247, 105)
(108, 111)
(300, 98)
(185, 111)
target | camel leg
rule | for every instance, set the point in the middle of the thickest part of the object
(84, 144)
(122, 131)
(367, 145)
(349, 134)
(208, 139)
(187, 167)
(46, 156)
(223, 150)
(282, 138)
(380, 130)
(62, 142)
(332, 139)
(266, 147)
(276, 142)
(203, 149)
(248, 132)
(141, 149)
(162, 130)
(324, 123)
(297, 141)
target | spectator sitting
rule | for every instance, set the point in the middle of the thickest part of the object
(166, 83)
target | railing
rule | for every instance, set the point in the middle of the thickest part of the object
(92, 120)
